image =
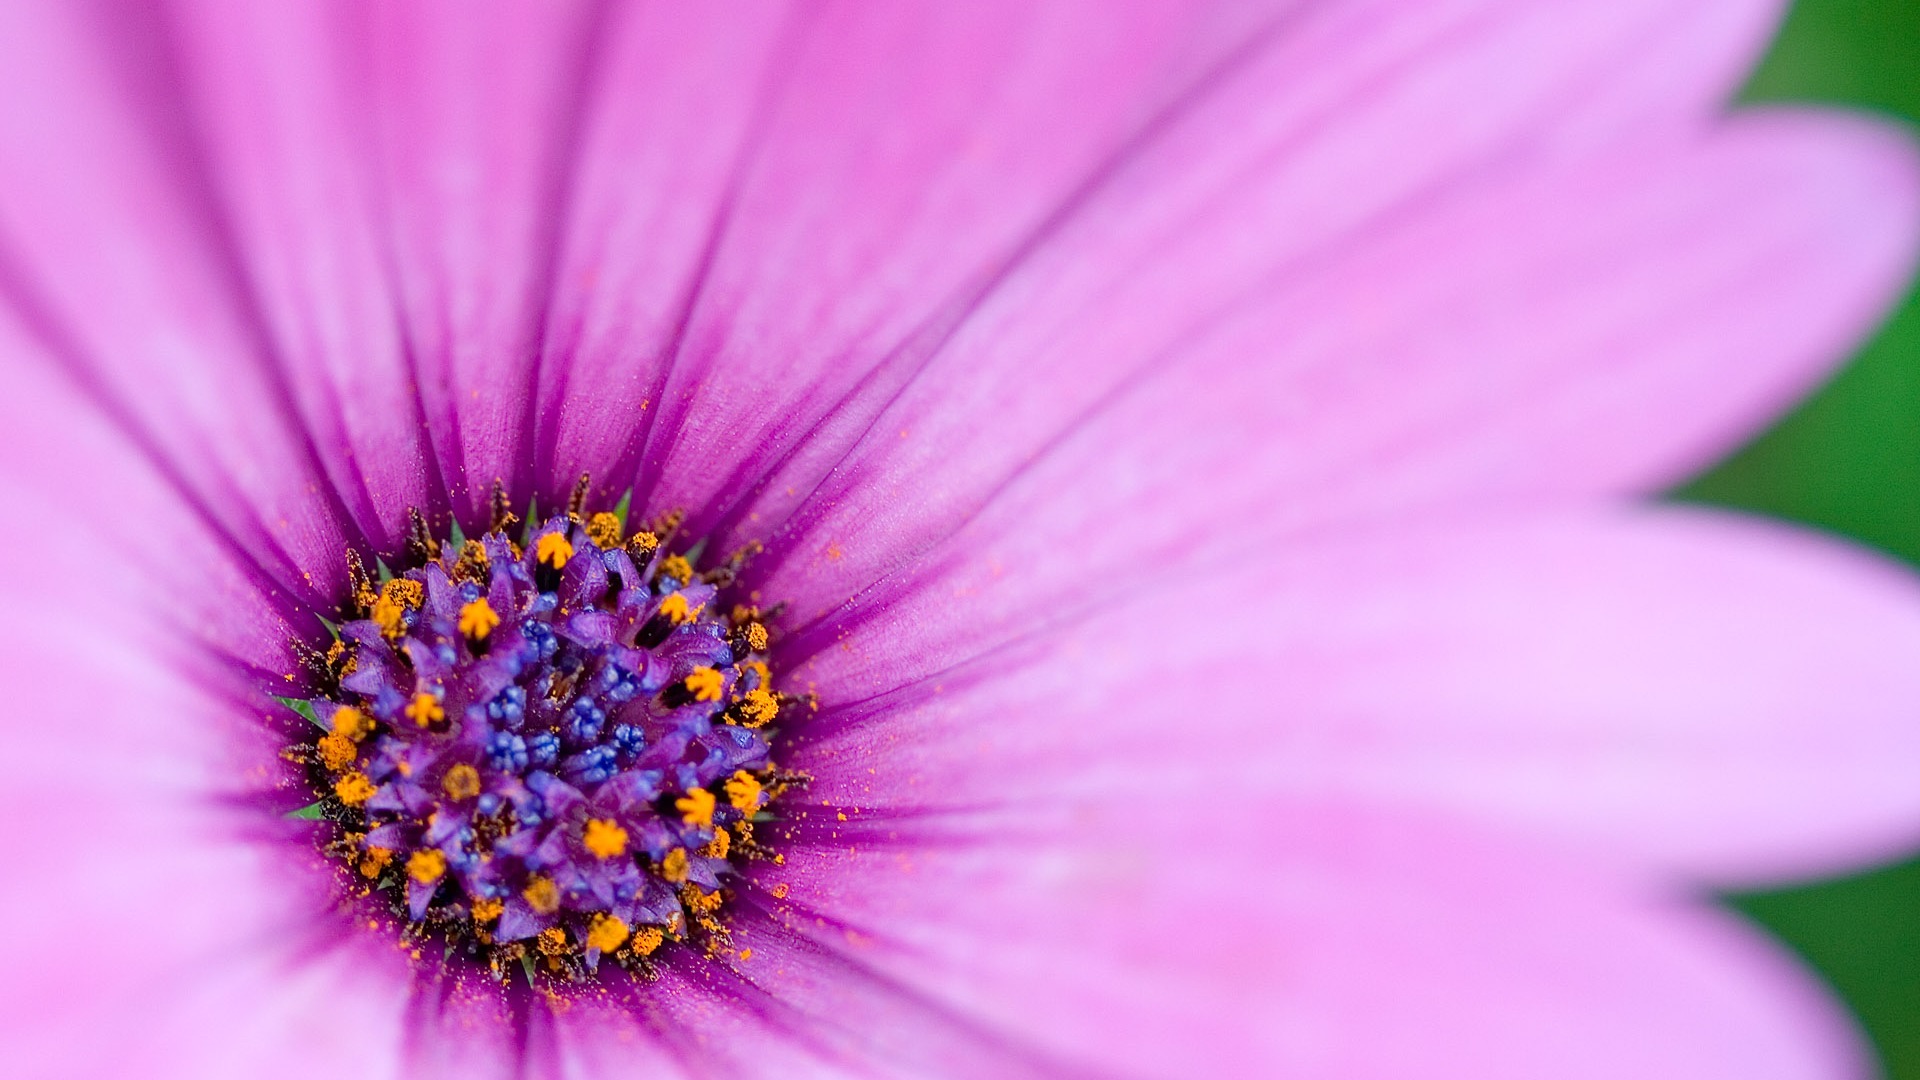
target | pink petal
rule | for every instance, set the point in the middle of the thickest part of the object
(912, 199)
(1553, 330)
(111, 256)
(347, 240)
(110, 541)
(1711, 696)
(1153, 939)
(151, 936)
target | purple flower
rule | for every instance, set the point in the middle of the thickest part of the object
(1175, 455)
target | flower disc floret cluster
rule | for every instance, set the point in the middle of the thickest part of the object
(549, 751)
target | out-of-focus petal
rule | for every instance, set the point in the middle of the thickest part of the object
(152, 934)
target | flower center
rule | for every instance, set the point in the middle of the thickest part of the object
(548, 749)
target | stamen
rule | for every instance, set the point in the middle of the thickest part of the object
(705, 684)
(604, 530)
(757, 707)
(646, 940)
(477, 620)
(376, 860)
(542, 895)
(606, 933)
(743, 791)
(425, 709)
(461, 782)
(354, 789)
(605, 838)
(674, 866)
(553, 550)
(696, 807)
(675, 608)
(337, 752)
(351, 722)
(426, 867)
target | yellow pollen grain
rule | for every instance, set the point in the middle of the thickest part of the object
(604, 838)
(388, 616)
(699, 901)
(758, 707)
(478, 619)
(743, 791)
(461, 782)
(674, 607)
(678, 568)
(397, 597)
(354, 788)
(426, 866)
(604, 530)
(406, 592)
(485, 911)
(717, 847)
(553, 550)
(473, 562)
(696, 807)
(756, 637)
(706, 684)
(646, 940)
(336, 752)
(606, 932)
(674, 866)
(552, 941)
(542, 895)
(425, 709)
(376, 860)
(352, 723)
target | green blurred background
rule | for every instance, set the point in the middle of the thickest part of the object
(1848, 460)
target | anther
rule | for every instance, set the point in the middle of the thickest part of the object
(705, 684)
(757, 707)
(336, 752)
(542, 895)
(674, 866)
(462, 782)
(577, 501)
(354, 789)
(425, 709)
(552, 549)
(360, 592)
(674, 607)
(606, 932)
(500, 515)
(351, 722)
(426, 866)
(604, 530)
(604, 838)
(743, 791)
(477, 620)
(422, 548)
(696, 807)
